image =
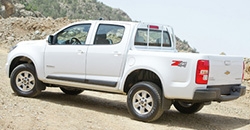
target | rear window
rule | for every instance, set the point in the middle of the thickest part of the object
(152, 38)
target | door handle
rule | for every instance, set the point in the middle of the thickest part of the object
(80, 52)
(117, 53)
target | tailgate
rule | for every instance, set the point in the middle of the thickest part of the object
(225, 70)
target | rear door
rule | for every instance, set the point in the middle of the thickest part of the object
(106, 57)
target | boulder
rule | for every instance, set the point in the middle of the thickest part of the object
(26, 13)
(19, 6)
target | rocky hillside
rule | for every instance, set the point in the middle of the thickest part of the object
(72, 9)
(14, 30)
(183, 46)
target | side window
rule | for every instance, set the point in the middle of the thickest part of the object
(109, 34)
(74, 35)
(166, 39)
(141, 37)
(156, 38)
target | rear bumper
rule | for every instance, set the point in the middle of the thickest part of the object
(217, 93)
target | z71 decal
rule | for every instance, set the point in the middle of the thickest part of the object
(179, 63)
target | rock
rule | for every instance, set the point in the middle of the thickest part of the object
(37, 32)
(35, 37)
(26, 13)
(10, 39)
(38, 14)
(7, 8)
(43, 34)
(19, 6)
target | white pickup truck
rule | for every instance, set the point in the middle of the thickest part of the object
(132, 58)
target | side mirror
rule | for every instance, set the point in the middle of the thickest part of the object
(50, 39)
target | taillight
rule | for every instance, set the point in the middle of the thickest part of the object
(202, 72)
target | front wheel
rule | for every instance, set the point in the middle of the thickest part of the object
(187, 107)
(144, 101)
(24, 81)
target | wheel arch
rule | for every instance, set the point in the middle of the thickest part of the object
(139, 75)
(19, 60)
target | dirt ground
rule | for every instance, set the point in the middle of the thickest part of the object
(54, 110)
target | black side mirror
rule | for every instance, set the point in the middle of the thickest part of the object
(51, 39)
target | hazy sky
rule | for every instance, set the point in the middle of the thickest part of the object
(210, 26)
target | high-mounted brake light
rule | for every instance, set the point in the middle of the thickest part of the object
(202, 72)
(153, 27)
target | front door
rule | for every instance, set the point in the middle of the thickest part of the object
(65, 59)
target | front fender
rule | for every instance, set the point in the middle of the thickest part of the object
(32, 51)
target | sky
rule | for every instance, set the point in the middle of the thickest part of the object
(210, 26)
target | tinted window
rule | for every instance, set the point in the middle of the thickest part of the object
(109, 34)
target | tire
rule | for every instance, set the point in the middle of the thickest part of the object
(188, 108)
(71, 91)
(24, 81)
(144, 101)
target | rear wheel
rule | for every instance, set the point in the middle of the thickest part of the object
(144, 101)
(24, 81)
(71, 91)
(187, 107)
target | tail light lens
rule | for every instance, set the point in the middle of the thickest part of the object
(202, 72)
